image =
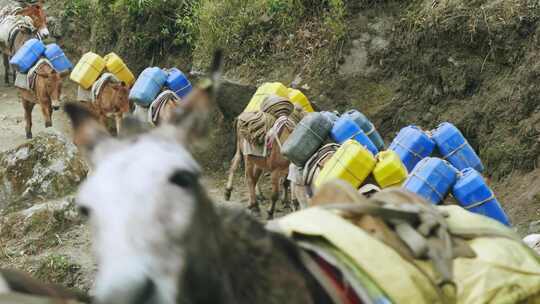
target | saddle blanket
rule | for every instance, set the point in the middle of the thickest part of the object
(28, 81)
(92, 94)
(253, 149)
(84, 95)
(97, 87)
(157, 105)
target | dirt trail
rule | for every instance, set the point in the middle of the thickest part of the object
(12, 123)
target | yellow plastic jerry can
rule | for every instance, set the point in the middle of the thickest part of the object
(87, 70)
(116, 65)
(297, 97)
(351, 163)
(268, 88)
(390, 170)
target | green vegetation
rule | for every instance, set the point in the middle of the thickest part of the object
(251, 31)
(58, 269)
(257, 32)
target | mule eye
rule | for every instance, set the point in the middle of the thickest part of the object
(183, 179)
(84, 211)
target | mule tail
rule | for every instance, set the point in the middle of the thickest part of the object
(6, 68)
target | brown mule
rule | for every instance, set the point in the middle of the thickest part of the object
(112, 101)
(275, 163)
(47, 90)
(39, 20)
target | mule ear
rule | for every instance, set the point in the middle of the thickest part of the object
(88, 133)
(192, 115)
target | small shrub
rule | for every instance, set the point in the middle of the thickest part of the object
(58, 269)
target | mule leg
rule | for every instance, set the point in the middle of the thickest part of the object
(46, 109)
(235, 162)
(118, 120)
(6, 68)
(258, 192)
(294, 188)
(28, 107)
(275, 177)
(285, 197)
(251, 182)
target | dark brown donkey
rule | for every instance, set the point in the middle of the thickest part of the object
(39, 20)
(46, 91)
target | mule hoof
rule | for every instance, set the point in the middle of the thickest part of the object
(48, 124)
(28, 135)
(228, 194)
(295, 205)
(270, 215)
(254, 208)
(56, 108)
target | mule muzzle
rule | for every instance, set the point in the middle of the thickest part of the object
(44, 32)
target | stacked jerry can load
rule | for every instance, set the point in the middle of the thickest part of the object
(308, 136)
(33, 49)
(412, 145)
(28, 55)
(473, 194)
(345, 129)
(367, 126)
(88, 70)
(148, 86)
(57, 58)
(351, 163)
(389, 170)
(432, 178)
(178, 83)
(455, 148)
(118, 68)
(332, 116)
(269, 88)
(457, 173)
(297, 97)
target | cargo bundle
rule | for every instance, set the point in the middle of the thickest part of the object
(92, 66)
(409, 162)
(277, 88)
(33, 50)
(154, 80)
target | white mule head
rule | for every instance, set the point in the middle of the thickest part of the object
(140, 199)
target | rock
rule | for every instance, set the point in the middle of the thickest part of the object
(46, 167)
(534, 227)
